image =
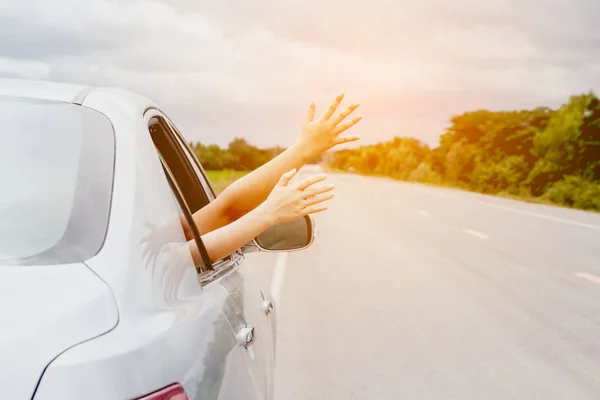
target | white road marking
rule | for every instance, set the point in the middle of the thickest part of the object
(476, 234)
(278, 275)
(424, 213)
(588, 277)
(530, 213)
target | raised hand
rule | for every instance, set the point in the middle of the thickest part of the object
(178, 259)
(157, 236)
(290, 201)
(319, 135)
(153, 241)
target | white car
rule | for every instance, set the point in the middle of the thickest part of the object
(96, 301)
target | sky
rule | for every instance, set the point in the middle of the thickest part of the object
(249, 68)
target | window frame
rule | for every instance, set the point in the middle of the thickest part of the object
(236, 255)
(194, 191)
(187, 160)
(193, 159)
(187, 176)
(206, 264)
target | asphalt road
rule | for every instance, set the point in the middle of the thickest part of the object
(414, 292)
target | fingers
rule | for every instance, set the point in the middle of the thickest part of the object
(333, 107)
(153, 267)
(313, 209)
(346, 139)
(286, 178)
(347, 125)
(163, 273)
(344, 114)
(311, 112)
(311, 180)
(318, 190)
(146, 252)
(311, 201)
(150, 227)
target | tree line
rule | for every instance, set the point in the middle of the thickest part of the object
(239, 155)
(543, 153)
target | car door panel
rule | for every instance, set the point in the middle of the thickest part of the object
(229, 376)
(188, 340)
(217, 284)
(241, 300)
(254, 306)
(245, 307)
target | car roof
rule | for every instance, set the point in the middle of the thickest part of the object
(74, 94)
(63, 92)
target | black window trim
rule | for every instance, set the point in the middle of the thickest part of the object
(197, 197)
(189, 218)
(182, 163)
(235, 256)
(190, 154)
(220, 267)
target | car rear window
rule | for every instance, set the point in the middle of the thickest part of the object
(56, 171)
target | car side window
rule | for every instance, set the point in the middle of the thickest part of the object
(194, 161)
(199, 170)
(197, 167)
(183, 169)
(183, 180)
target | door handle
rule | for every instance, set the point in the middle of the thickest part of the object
(245, 336)
(267, 306)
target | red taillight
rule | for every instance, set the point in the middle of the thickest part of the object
(172, 392)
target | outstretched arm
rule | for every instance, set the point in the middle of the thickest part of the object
(286, 202)
(244, 195)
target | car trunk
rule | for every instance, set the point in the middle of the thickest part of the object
(45, 310)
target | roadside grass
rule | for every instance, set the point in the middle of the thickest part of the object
(223, 178)
(503, 194)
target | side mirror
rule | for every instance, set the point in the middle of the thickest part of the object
(287, 236)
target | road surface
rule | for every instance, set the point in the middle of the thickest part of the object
(414, 292)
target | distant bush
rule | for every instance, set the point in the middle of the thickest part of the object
(223, 178)
(239, 155)
(424, 173)
(543, 154)
(575, 192)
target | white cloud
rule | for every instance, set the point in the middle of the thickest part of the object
(232, 61)
(24, 68)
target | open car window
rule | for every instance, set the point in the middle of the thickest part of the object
(182, 178)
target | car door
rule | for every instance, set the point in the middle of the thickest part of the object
(247, 299)
(230, 360)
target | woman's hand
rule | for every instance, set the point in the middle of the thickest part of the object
(322, 134)
(156, 237)
(178, 259)
(286, 202)
(290, 201)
